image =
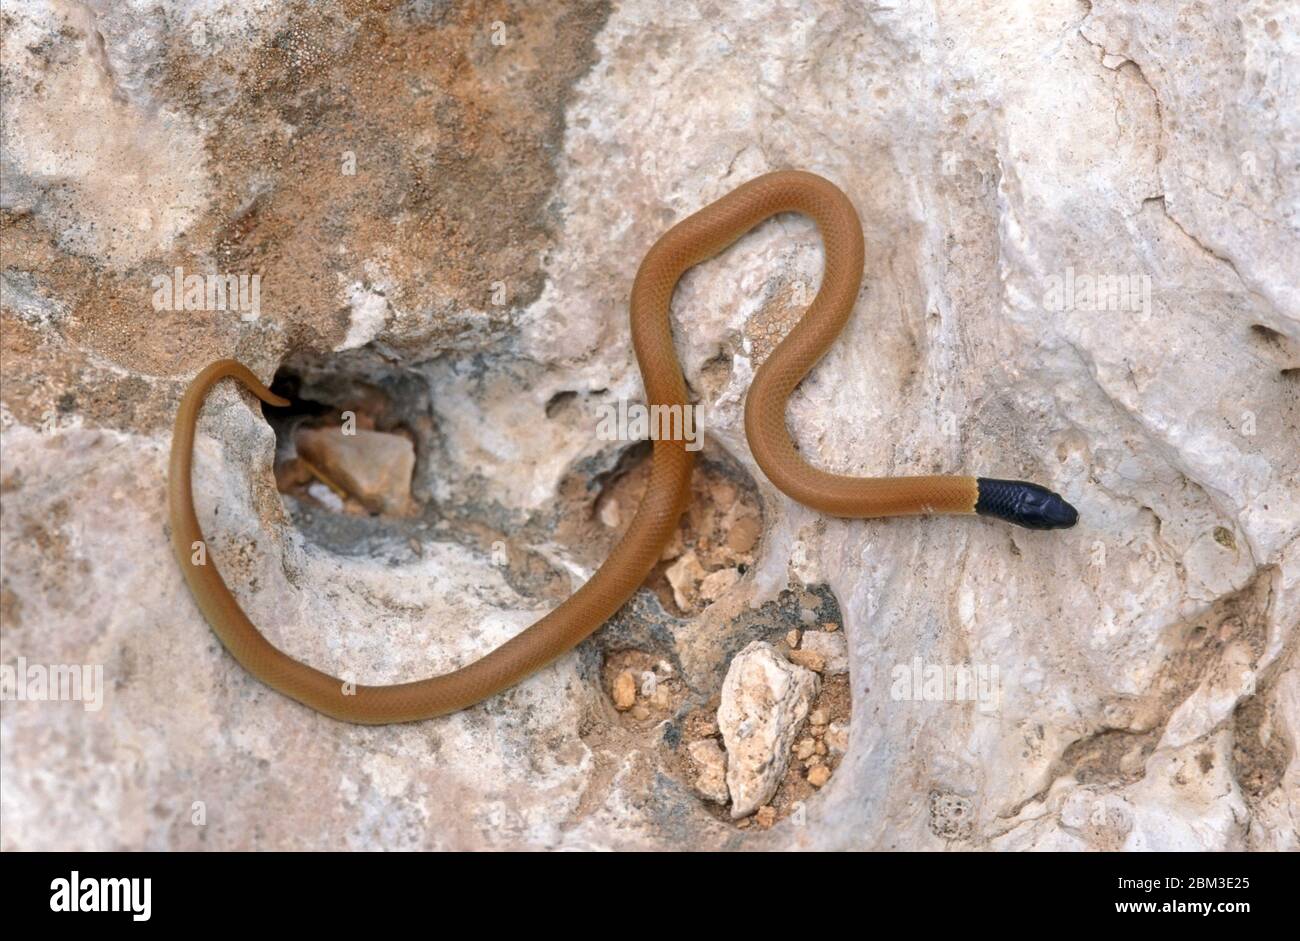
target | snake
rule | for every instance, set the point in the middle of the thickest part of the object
(695, 239)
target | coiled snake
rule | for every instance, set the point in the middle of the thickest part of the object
(693, 240)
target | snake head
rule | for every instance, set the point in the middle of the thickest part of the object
(1024, 504)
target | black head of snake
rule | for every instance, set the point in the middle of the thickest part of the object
(1024, 504)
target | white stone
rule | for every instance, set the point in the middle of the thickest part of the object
(765, 698)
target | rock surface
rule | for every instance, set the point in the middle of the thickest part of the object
(372, 466)
(831, 648)
(1081, 246)
(711, 770)
(765, 700)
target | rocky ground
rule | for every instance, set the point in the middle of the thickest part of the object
(1082, 240)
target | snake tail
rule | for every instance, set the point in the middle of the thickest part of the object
(1025, 504)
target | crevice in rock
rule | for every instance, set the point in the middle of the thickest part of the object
(661, 678)
(1164, 209)
(1135, 419)
(1117, 756)
(1141, 75)
(1277, 344)
(1261, 748)
(716, 541)
(1207, 250)
(1261, 751)
(559, 401)
(355, 430)
(1267, 334)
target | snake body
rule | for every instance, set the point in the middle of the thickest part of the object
(695, 239)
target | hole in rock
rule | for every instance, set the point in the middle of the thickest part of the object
(663, 685)
(1267, 334)
(716, 540)
(559, 401)
(350, 439)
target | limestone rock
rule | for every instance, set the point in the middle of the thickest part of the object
(1081, 257)
(808, 659)
(624, 692)
(833, 649)
(372, 466)
(765, 698)
(685, 576)
(710, 770)
(837, 738)
(715, 584)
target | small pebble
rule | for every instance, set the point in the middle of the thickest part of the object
(640, 712)
(766, 816)
(809, 659)
(820, 748)
(610, 515)
(837, 737)
(714, 585)
(684, 576)
(711, 764)
(805, 748)
(819, 716)
(830, 627)
(743, 535)
(792, 639)
(325, 496)
(819, 775)
(624, 691)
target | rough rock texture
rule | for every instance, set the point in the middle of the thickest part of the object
(765, 699)
(711, 770)
(1082, 233)
(832, 648)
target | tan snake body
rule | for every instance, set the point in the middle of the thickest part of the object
(695, 239)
